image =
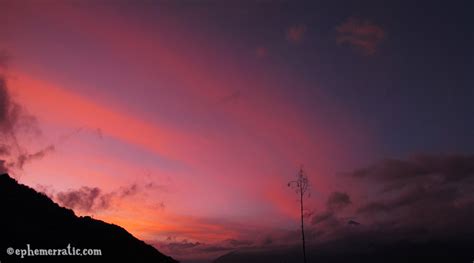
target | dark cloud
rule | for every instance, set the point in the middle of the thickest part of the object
(9, 110)
(426, 191)
(402, 207)
(361, 34)
(420, 207)
(331, 221)
(14, 120)
(373, 207)
(85, 199)
(128, 191)
(47, 190)
(91, 199)
(24, 158)
(338, 200)
(335, 202)
(395, 173)
(322, 217)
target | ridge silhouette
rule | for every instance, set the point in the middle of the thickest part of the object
(29, 217)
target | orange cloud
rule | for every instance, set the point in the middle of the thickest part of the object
(361, 34)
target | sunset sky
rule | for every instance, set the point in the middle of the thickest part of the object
(183, 121)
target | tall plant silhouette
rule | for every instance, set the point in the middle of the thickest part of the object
(301, 187)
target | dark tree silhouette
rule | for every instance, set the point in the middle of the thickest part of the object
(301, 187)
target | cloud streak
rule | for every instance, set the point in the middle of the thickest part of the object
(361, 34)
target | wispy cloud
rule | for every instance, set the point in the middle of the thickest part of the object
(437, 186)
(25, 157)
(425, 198)
(92, 199)
(338, 200)
(361, 34)
(14, 120)
(330, 219)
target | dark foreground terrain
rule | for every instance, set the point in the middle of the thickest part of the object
(29, 217)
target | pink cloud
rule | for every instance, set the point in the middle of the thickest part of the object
(361, 34)
(245, 166)
(295, 34)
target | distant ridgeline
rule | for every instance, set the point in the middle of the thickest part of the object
(29, 217)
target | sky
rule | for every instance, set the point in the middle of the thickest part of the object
(183, 121)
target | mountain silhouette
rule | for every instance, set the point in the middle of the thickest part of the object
(29, 217)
